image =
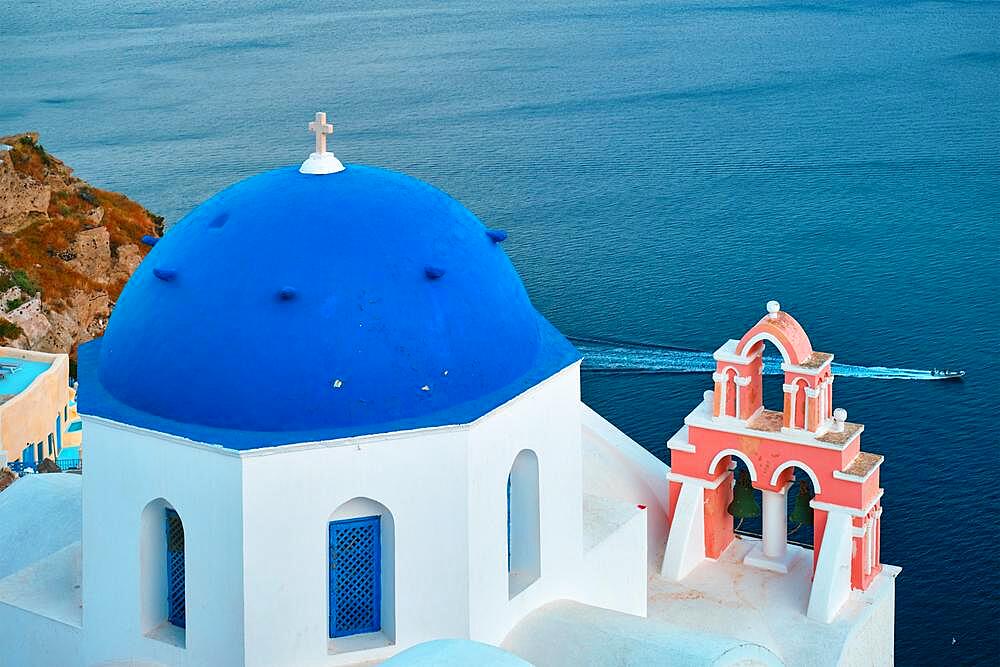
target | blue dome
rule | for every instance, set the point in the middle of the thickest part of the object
(293, 307)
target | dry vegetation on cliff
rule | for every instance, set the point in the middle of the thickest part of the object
(66, 249)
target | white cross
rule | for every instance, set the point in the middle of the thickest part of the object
(321, 162)
(320, 128)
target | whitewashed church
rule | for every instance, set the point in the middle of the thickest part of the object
(326, 426)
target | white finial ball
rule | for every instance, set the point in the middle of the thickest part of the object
(710, 396)
(840, 414)
(772, 309)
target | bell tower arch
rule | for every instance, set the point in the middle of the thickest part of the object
(732, 423)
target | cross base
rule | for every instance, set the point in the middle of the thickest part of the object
(321, 163)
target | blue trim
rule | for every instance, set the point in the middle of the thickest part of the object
(58, 434)
(355, 576)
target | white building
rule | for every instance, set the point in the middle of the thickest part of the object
(326, 424)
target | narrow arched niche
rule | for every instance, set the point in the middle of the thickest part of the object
(162, 585)
(798, 416)
(363, 510)
(524, 564)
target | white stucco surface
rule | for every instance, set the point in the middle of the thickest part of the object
(40, 641)
(455, 653)
(569, 634)
(127, 469)
(40, 569)
(257, 555)
(40, 515)
(49, 588)
(618, 468)
(769, 608)
(723, 613)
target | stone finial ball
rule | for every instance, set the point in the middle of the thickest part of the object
(840, 414)
(709, 395)
(773, 307)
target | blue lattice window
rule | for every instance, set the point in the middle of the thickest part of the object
(355, 576)
(175, 569)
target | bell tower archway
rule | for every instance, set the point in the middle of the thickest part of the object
(733, 423)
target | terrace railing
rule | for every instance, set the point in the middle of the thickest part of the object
(65, 465)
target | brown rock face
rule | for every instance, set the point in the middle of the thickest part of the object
(66, 249)
(20, 195)
(92, 254)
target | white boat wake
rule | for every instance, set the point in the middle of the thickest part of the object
(607, 356)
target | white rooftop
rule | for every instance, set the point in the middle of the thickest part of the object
(722, 613)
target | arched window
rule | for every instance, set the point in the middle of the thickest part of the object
(799, 400)
(523, 523)
(162, 573)
(731, 408)
(361, 566)
(176, 608)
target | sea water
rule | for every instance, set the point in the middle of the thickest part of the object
(663, 168)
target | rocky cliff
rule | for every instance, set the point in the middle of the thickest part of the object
(66, 249)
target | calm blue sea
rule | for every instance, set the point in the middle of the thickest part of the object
(663, 168)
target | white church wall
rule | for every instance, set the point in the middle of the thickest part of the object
(127, 469)
(291, 494)
(546, 421)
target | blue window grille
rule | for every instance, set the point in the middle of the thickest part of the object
(58, 434)
(175, 569)
(41, 453)
(355, 576)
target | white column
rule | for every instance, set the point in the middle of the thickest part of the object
(824, 398)
(720, 387)
(740, 382)
(828, 399)
(813, 394)
(869, 545)
(775, 524)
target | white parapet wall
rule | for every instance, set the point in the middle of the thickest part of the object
(31, 639)
(618, 468)
(615, 555)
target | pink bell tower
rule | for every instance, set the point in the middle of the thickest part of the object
(732, 422)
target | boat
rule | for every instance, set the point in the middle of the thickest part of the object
(946, 374)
